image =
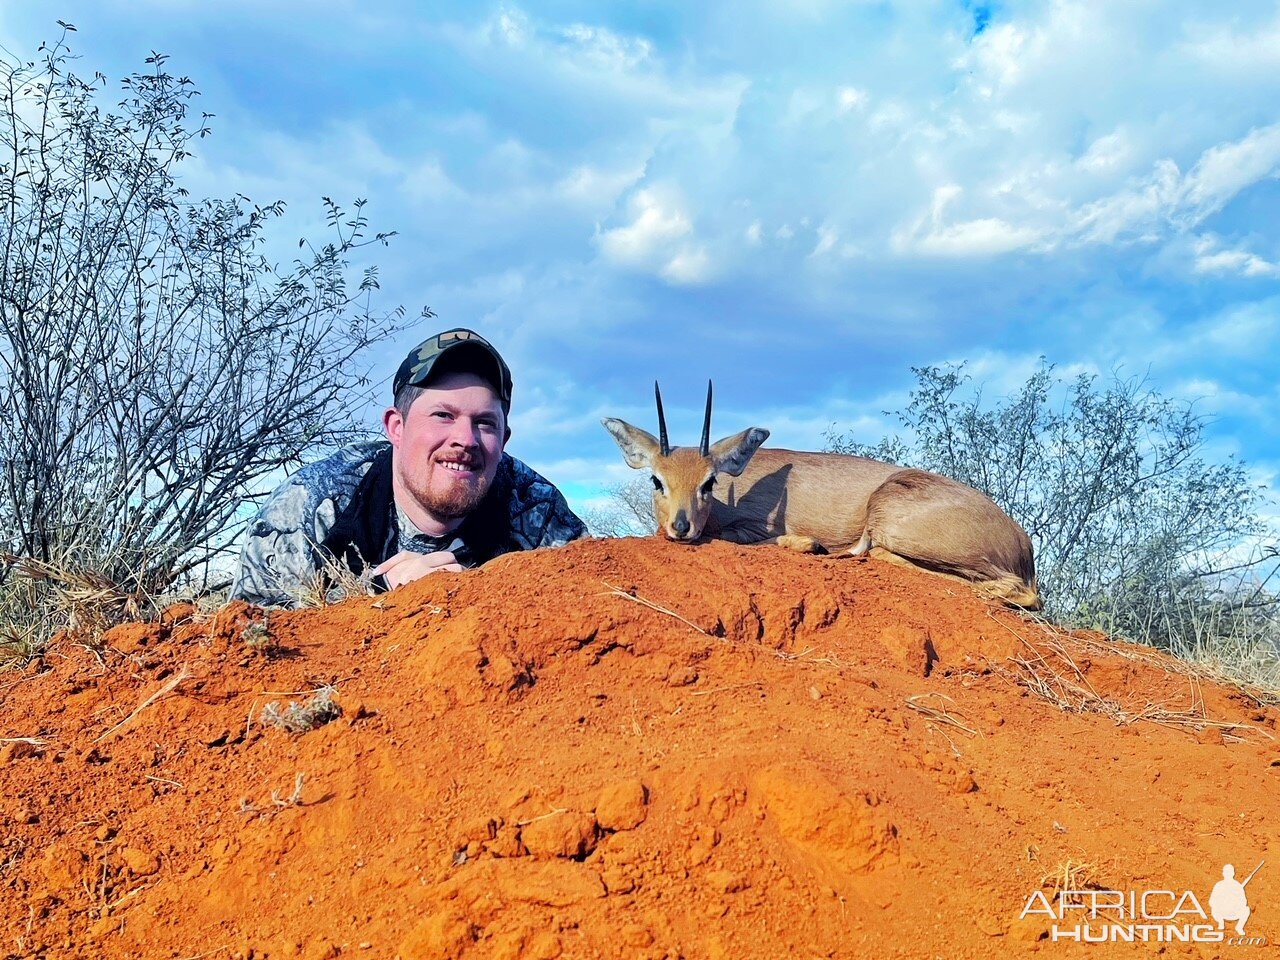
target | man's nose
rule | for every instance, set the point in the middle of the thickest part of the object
(464, 433)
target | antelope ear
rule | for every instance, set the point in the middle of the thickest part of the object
(638, 446)
(732, 454)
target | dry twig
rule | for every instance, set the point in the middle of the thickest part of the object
(1070, 878)
(168, 688)
(635, 598)
(934, 713)
(294, 799)
(546, 816)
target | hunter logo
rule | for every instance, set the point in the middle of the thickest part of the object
(1228, 900)
(1149, 916)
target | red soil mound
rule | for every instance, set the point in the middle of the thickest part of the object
(751, 753)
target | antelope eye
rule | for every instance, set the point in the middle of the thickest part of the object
(705, 489)
(657, 484)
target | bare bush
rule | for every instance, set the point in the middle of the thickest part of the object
(155, 365)
(628, 511)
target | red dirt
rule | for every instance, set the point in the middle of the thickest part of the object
(530, 765)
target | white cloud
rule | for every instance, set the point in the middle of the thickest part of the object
(658, 238)
(1247, 329)
(974, 238)
(589, 62)
(981, 237)
(606, 49)
(1210, 396)
(1106, 154)
(1166, 201)
(510, 26)
(1232, 48)
(851, 98)
(1210, 258)
(427, 182)
(1226, 169)
(657, 221)
(688, 266)
(1138, 210)
(827, 238)
(596, 187)
(998, 55)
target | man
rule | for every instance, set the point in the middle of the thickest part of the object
(438, 494)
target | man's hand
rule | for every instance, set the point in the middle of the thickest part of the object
(407, 566)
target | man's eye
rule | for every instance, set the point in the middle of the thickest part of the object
(442, 415)
(657, 484)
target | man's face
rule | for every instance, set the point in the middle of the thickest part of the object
(448, 448)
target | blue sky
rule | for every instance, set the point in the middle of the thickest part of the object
(800, 200)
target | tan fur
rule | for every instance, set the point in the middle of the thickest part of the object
(837, 503)
(683, 473)
(853, 504)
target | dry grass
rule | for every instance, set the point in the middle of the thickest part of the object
(1049, 670)
(82, 591)
(1070, 877)
(1231, 636)
(335, 582)
(293, 799)
(38, 600)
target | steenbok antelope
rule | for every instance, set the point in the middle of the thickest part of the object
(828, 502)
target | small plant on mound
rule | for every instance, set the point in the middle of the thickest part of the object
(279, 799)
(257, 637)
(301, 717)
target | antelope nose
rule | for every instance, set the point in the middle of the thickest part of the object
(681, 526)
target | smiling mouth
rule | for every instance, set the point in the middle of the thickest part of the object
(456, 466)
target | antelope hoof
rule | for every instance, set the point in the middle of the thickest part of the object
(801, 544)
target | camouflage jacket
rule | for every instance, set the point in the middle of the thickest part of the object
(341, 509)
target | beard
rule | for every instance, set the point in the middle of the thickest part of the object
(452, 500)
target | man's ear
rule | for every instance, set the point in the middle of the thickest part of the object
(638, 446)
(732, 454)
(393, 425)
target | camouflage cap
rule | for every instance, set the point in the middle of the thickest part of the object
(467, 350)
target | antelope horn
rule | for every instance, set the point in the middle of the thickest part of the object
(662, 422)
(705, 449)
